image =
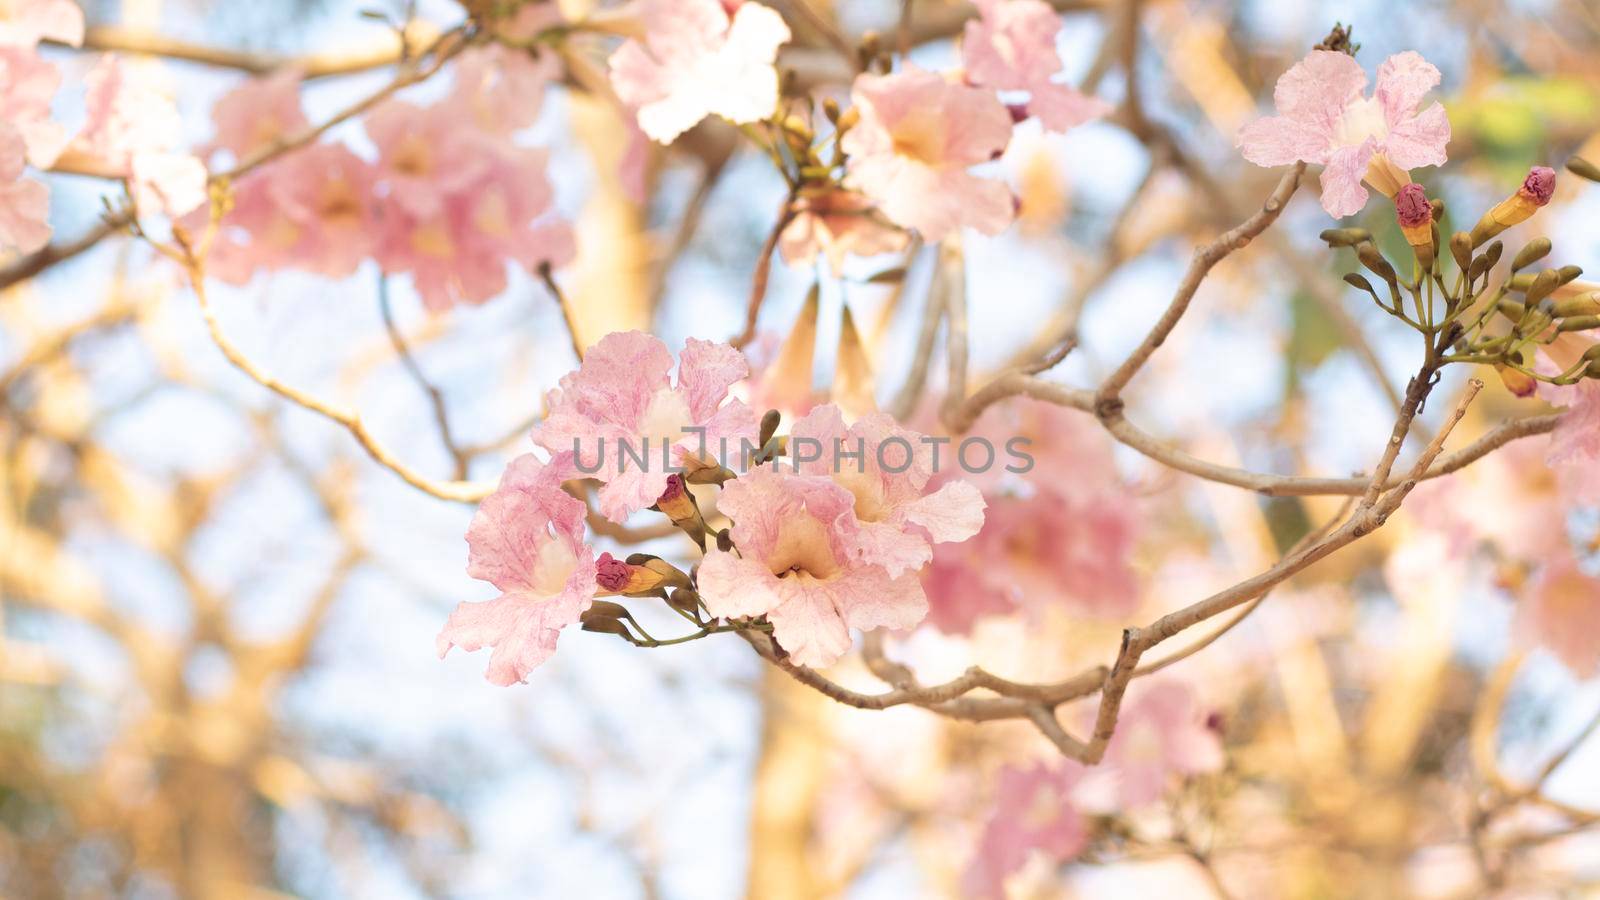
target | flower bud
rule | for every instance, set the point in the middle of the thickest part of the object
(1582, 305)
(1536, 190)
(1579, 323)
(1375, 263)
(1567, 274)
(1518, 383)
(604, 617)
(1582, 168)
(1345, 237)
(613, 576)
(1492, 254)
(1415, 215)
(1543, 284)
(1531, 253)
(1461, 249)
(679, 506)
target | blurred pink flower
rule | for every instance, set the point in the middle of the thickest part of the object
(699, 58)
(27, 86)
(458, 253)
(910, 151)
(428, 154)
(622, 394)
(835, 222)
(24, 203)
(503, 87)
(1046, 538)
(132, 128)
(1011, 46)
(527, 540)
(1161, 732)
(794, 536)
(1560, 610)
(900, 517)
(1323, 118)
(1575, 444)
(23, 23)
(258, 112)
(1034, 810)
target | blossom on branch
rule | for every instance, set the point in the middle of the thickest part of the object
(258, 113)
(1011, 46)
(622, 400)
(917, 136)
(28, 84)
(1325, 118)
(699, 58)
(1035, 811)
(1560, 611)
(887, 469)
(527, 540)
(24, 203)
(832, 222)
(131, 128)
(797, 563)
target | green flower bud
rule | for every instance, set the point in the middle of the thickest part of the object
(1531, 253)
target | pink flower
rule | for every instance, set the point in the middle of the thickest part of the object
(458, 252)
(24, 203)
(1034, 810)
(835, 222)
(1161, 732)
(1323, 118)
(1575, 444)
(23, 23)
(910, 151)
(527, 540)
(27, 86)
(1045, 540)
(427, 154)
(258, 113)
(503, 87)
(622, 400)
(1560, 611)
(899, 517)
(697, 59)
(132, 128)
(1071, 548)
(1011, 46)
(796, 564)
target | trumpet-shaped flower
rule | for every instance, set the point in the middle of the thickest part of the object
(796, 564)
(458, 251)
(1161, 732)
(24, 203)
(699, 58)
(1560, 611)
(428, 154)
(886, 468)
(503, 87)
(1325, 118)
(527, 540)
(1575, 444)
(23, 23)
(132, 128)
(1011, 46)
(258, 112)
(622, 401)
(1035, 810)
(27, 86)
(917, 137)
(835, 222)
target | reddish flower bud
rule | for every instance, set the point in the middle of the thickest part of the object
(1411, 206)
(1539, 186)
(612, 574)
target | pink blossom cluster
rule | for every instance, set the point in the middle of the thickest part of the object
(1325, 118)
(129, 131)
(1065, 537)
(1163, 734)
(450, 199)
(817, 549)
